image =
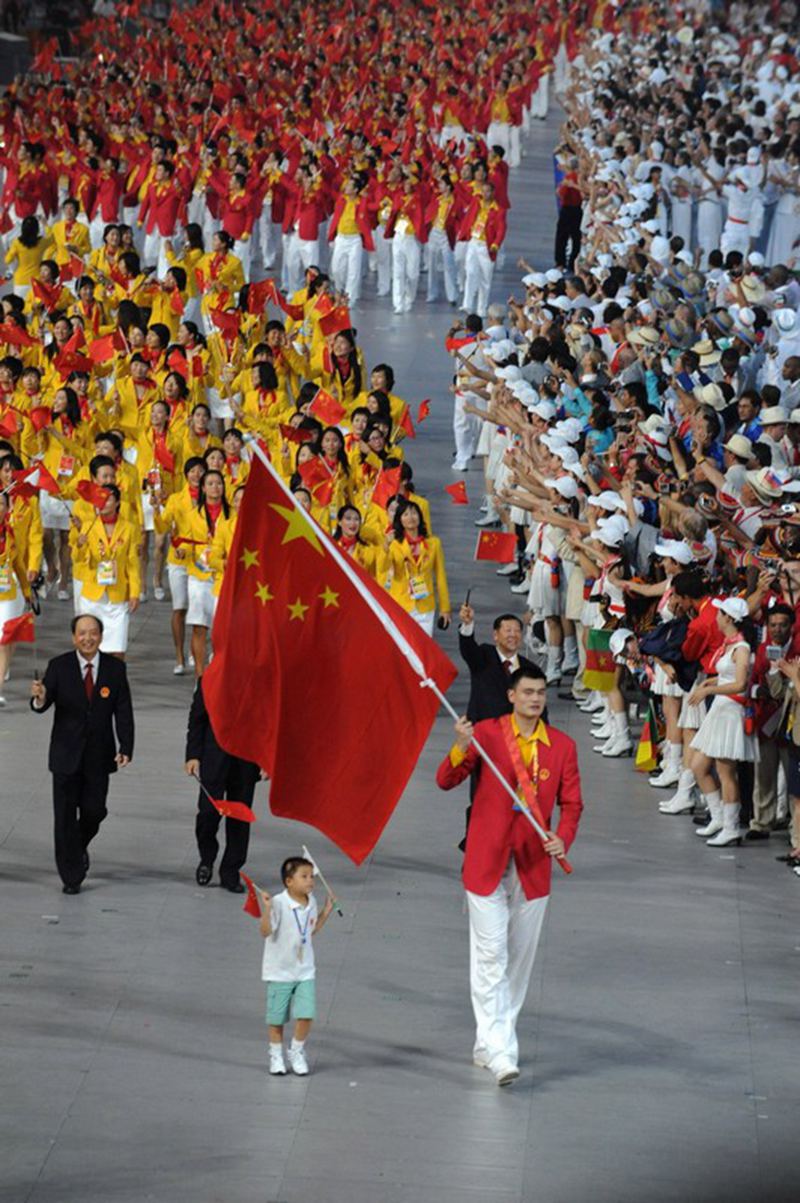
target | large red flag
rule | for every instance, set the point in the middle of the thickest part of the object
(326, 408)
(309, 654)
(495, 545)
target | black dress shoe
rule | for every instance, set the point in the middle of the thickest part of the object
(753, 835)
(85, 861)
(70, 889)
(203, 874)
(233, 887)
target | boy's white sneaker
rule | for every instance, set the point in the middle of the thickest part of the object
(297, 1060)
(277, 1065)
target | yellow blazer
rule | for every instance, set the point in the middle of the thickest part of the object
(120, 547)
(415, 584)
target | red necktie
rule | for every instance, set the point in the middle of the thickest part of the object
(88, 683)
(507, 668)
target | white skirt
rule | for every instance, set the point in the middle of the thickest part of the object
(663, 687)
(425, 620)
(691, 718)
(201, 602)
(55, 513)
(721, 733)
(115, 617)
(178, 586)
(220, 407)
(147, 511)
(485, 439)
(545, 601)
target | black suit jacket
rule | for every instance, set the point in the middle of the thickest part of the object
(83, 735)
(201, 744)
(488, 696)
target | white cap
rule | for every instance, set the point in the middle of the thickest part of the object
(554, 275)
(608, 500)
(616, 644)
(734, 607)
(659, 248)
(512, 372)
(530, 280)
(569, 429)
(565, 485)
(561, 303)
(787, 320)
(544, 410)
(677, 549)
(612, 531)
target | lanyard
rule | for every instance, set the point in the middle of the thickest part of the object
(303, 930)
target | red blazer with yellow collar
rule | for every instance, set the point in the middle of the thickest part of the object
(496, 831)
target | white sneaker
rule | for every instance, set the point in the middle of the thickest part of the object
(63, 595)
(522, 587)
(191, 662)
(297, 1060)
(178, 670)
(507, 569)
(277, 1065)
(3, 702)
(456, 467)
(592, 705)
(480, 1058)
(667, 776)
(143, 596)
(158, 593)
(488, 520)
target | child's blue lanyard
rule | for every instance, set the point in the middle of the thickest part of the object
(304, 929)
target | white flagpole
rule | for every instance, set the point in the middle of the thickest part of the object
(396, 635)
(321, 876)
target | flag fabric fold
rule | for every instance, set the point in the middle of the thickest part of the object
(317, 672)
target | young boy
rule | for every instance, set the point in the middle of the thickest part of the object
(288, 922)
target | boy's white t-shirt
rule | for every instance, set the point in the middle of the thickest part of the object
(288, 950)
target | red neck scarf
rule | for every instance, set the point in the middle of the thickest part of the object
(214, 509)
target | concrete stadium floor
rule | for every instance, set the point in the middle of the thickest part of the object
(656, 1045)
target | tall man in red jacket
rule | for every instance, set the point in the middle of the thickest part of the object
(483, 228)
(507, 868)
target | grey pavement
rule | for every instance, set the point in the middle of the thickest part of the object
(659, 1043)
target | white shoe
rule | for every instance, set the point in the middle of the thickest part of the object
(679, 804)
(158, 593)
(489, 520)
(711, 828)
(507, 569)
(191, 662)
(277, 1065)
(724, 838)
(569, 667)
(592, 705)
(457, 467)
(603, 732)
(63, 595)
(617, 747)
(3, 702)
(667, 776)
(523, 587)
(297, 1060)
(480, 1058)
(143, 597)
(506, 1074)
(178, 670)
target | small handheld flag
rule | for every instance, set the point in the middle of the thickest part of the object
(498, 546)
(458, 493)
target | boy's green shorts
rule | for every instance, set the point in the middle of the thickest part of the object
(298, 997)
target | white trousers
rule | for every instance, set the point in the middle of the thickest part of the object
(346, 265)
(466, 429)
(441, 254)
(735, 237)
(383, 261)
(499, 134)
(504, 931)
(405, 271)
(478, 269)
(540, 98)
(300, 254)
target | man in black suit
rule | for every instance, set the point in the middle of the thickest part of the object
(490, 665)
(225, 777)
(92, 700)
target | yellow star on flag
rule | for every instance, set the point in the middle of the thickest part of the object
(297, 610)
(262, 592)
(249, 558)
(297, 527)
(329, 597)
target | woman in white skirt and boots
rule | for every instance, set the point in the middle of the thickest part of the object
(722, 739)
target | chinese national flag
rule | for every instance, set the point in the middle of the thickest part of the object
(40, 416)
(497, 546)
(458, 493)
(386, 486)
(14, 335)
(326, 408)
(296, 434)
(226, 321)
(251, 903)
(258, 293)
(337, 320)
(96, 495)
(176, 303)
(48, 294)
(72, 269)
(424, 410)
(234, 810)
(406, 424)
(309, 653)
(29, 481)
(18, 630)
(8, 425)
(103, 349)
(163, 456)
(6, 223)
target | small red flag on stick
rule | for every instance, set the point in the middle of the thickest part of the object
(18, 630)
(296, 434)
(424, 410)
(96, 495)
(497, 546)
(458, 493)
(326, 408)
(251, 903)
(406, 424)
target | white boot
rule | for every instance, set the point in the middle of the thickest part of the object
(670, 767)
(602, 723)
(553, 664)
(714, 824)
(681, 801)
(620, 743)
(730, 833)
(571, 662)
(593, 703)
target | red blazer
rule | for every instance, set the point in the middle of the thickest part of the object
(362, 221)
(160, 208)
(416, 215)
(703, 636)
(495, 226)
(497, 831)
(107, 197)
(307, 212)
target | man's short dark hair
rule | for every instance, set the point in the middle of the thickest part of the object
(781, 608)
(532, 672)
(690, 584)
(73, 626)
(501, 618)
